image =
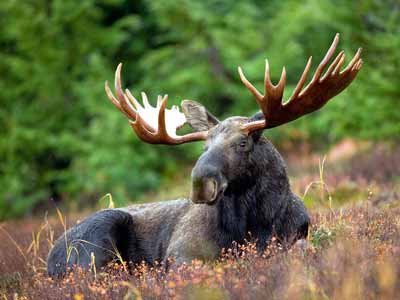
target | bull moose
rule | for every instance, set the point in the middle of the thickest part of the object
(239, 185)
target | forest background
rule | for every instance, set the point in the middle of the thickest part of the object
(63, 143)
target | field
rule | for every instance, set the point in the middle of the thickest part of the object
(353, 251)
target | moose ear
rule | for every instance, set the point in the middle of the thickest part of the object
(258, 133)
(197, 116)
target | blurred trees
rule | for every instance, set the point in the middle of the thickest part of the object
(61, 139)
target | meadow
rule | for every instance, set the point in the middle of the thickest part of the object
(353, 250)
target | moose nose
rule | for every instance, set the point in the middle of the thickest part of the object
(204, 190)
(207, 184)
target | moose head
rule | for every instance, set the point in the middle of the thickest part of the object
(230, 145)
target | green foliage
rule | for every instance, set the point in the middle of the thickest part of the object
(322, 237)
(60, 137)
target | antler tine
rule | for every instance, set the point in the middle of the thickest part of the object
(132, 99)
(273, 94)
(359, 64)
(111, 97)
(117, 83)
(326, 59)
(302, 80)
(333, 66)
(159, 99)
(355, 59)
(162, 131)
(146, 103)
(249, 86)
(268, 85)
(130, 112)
(276, 93)
(267, 78)
(339, 65)
(125, 104)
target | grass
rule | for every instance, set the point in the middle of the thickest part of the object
(353, 251)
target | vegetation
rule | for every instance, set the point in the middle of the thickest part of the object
(60, 138)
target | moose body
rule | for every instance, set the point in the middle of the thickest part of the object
(255, 206)
(240, 190)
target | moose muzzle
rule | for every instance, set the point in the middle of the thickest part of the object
(207, 184)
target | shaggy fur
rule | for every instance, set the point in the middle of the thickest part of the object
(256, 202)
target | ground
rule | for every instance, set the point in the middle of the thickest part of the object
(353, 251)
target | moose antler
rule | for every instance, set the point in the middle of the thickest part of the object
(303, 101)
(158, 125)
(154, 125)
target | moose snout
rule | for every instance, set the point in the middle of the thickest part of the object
(207, 185)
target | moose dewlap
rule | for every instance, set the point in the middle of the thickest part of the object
(239, 184)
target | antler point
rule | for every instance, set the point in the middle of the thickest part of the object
(240, 71)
